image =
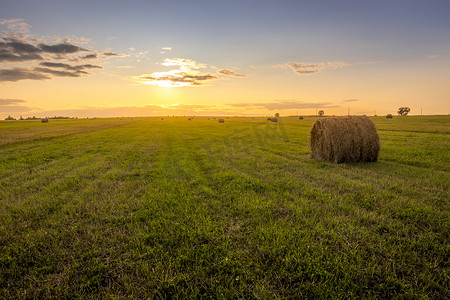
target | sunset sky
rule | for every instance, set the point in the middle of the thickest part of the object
(246, 57)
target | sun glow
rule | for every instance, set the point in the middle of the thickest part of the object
(170, 105)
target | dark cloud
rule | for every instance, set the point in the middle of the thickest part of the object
(107, 55)
(89, 56)
(16, 74)
(40, 73)
(12, 50)
(89, 66)
(69, 67)
(278, 105)
(110, 54)
(60, 73)
(178, 79)
(20, 48)
(228, 72)
(63, 48)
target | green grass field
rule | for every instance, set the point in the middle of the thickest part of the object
(144, 207)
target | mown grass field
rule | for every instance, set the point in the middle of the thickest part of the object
(144, 207)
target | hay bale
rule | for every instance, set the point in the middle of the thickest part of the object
(344, 139)
(300, 118)
(44, 120)
(388, 116)
(189, 119)
(221, 121)
(274, 120)
(269, 119)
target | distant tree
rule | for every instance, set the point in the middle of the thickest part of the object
(321, 112)
(9, 118)
(403, 111)
(277, 115)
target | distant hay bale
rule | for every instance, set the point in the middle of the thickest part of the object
(221, 121)
(44, 120)
(189, 119)
(274, 120)
(389, 116)
(269, 119)
(162, 118)
(344, 139)
(300, 118)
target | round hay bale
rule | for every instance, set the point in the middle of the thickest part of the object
(300, 118)
(388, 116)
(44, 120)
(344, 139)
(269, 119)
(274, 120)
(221, 121)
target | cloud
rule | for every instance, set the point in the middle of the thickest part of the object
(16, 74)
(17, 25)
(10, 101)
(350, 100)
(185, 75)
(64, 48)
(304, 68)
(290, 104)
(183, 64)
(231, 73)
(41, 73)
(165, 49)
(12, 105)
(434, 55)
(89, 56)
(52, 53)
(109, 54)
(175, 79)
(60, 73)
(15, 51)
(70, 67)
